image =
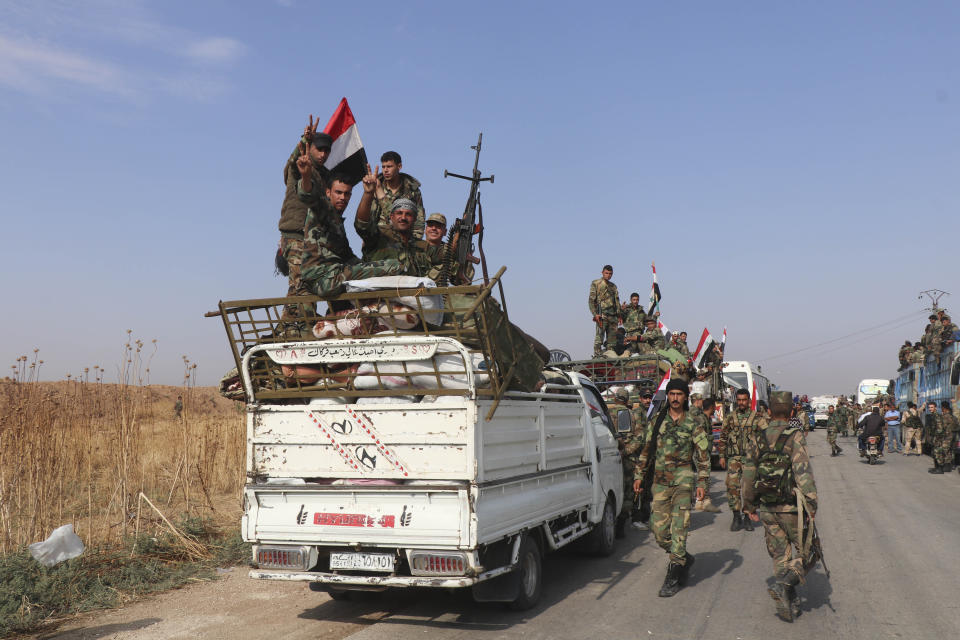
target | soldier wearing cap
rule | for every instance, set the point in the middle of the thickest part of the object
(293, 212)
(436, 229)
(779, 491)
(681, 443)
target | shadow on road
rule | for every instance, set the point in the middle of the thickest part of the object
(103, 631)
(713, 562)
(564, 573)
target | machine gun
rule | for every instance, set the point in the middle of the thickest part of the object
(459, 248)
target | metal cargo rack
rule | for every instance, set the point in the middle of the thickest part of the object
(643, 370)
(470, 315)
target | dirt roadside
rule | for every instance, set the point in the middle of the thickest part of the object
(234, 606)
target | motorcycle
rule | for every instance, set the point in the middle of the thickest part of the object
(873, 451)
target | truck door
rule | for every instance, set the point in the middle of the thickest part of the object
(605, 442)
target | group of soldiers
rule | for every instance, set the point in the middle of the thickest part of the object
(314, 252)
(626, 328)
(939, 333)
(768, 480)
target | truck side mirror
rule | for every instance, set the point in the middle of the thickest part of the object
(624, 421)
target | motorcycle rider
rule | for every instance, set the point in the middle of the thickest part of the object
(872, 425)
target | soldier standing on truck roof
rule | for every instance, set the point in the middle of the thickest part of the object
(604, 304)
(293, 212)
(777, 484)
(739, 426)
(675, 441)
(392, 185)
(328, 260)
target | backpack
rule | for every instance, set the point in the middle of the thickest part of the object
(774, 480)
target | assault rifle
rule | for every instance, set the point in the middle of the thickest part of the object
(459, 249)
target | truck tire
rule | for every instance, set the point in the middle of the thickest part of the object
(602, 537)
(530, 574)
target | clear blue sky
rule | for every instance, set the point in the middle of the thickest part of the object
(791, 167)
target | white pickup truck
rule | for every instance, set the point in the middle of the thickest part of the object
(443, 478)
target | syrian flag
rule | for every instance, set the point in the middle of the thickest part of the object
(660, 393)
(346, 153)
(654, 292)
(664, 330)
(703, 348)
(753, 397)
(723, 340)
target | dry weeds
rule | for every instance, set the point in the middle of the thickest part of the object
(83, 450)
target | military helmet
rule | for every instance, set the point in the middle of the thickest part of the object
(623, 394)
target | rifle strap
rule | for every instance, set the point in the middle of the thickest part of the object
(654, 438)
(807, 534)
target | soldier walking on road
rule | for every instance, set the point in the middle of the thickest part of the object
(951, 430)
(779, 491)
(739, 426)
(604, 303)
(936, 434)
(675, 441)
(702, 408)
(833, 425)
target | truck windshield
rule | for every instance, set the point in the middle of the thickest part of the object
(737, 380)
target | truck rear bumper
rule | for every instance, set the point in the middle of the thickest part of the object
(379, 581)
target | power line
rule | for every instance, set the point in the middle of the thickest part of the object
(848, 344)
(901, 319)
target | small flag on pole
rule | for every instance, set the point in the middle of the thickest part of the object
(654, 292)
(346, 153)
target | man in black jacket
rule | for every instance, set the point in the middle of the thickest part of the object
(871, 425)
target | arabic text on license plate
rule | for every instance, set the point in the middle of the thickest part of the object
(367, 561)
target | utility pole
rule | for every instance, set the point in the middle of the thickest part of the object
(934, 295)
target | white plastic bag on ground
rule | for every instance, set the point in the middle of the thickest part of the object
(63, 544)
(385, 283)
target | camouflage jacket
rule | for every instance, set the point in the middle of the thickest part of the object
(834, 422)
(947, 331)
(325, 238)
(681, 444)
(605, 298)
(681, 346)
(293, 211)
(380, 242)
(796, 449)
(932, 425)
(633, 318)
(410, 189)
(638, 434)
(949, 423)
(654, 338)
(738, 428)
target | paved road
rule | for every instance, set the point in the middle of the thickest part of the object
(891, 535)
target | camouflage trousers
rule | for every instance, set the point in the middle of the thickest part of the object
(734, 476)
(783, 544)
(292, 251)
(912, 440)
(606, 333)
(832, 436)
(943, 449)
(670, 519)
(327, 279)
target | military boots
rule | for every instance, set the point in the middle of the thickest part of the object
(782, 595)
(936, 469)
(747, 522)
(671, 583)
(685, 569)
(737, 522)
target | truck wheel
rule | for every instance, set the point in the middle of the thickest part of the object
(530, 572)
(604, 532)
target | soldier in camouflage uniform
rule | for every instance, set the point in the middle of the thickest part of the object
(652, 339)
(947, 331)
(702, 409)
(681, 345)
(633, 317)
(937, 435)
(680, 443)
(604, 304)
(293, 212)
(739, 426)
(392, 185)
(843, 414)
(949, 428)
(395, 241)
(616, 405)
(833, 426)
(778, 457)
(904, 354)
(328, 260)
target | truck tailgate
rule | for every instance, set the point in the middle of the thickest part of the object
(388, 516)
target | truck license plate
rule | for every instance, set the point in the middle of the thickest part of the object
(363, 561)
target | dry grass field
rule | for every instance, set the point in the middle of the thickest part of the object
(86, 451)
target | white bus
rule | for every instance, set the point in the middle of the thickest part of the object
(740, 374)
(870, 388)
